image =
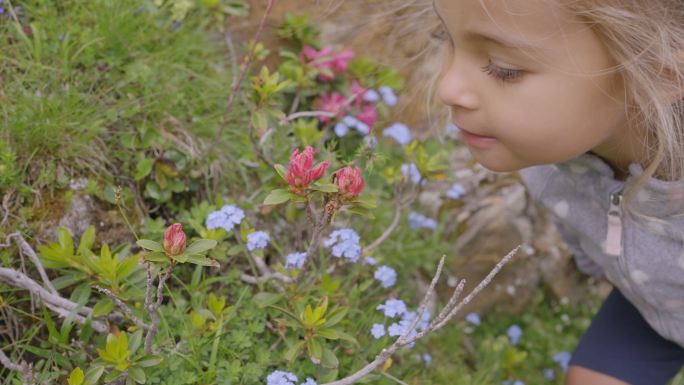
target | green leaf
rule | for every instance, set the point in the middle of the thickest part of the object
(324, 187)
(328, 334)
(65, 240)
(264, 299)
(292, 353)
(103, 307)
(93, 374)
(288, 313)
(335, 316)
(143, 168)
(235, 250)
(277, 196)
(280, 169)
(76, 377)
(259, 120)
(315, 350)
(366, 203)
(126, 266)
(150, 245)
(321, 309)
(347, 337)
(360, 211)
(200, 246)
(52, 329)
(152, 360)
(202, 261)
(159, 257)
(137, 374)
(180, 258)
(134, 342)
(329, 360)
(87, 239)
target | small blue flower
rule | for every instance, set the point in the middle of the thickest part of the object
(371, 96)
(295, 260)
(345, 243)
(451, 129)
(280, 377)
(309, 381)
(456, 191)
(563, 359)
(420, 221)
(427, 359)
(473, 318)
(411, 172)
(257, 240)
(392, 307)
(388, 96)
(362, 128)
(370, 261)
(371, 141)
(514, 333)
(386, 275)
(341, 129)
(350, 121)
(378, 331)
(549, 374)
(226, 218)
(399, 132)
(409, 316)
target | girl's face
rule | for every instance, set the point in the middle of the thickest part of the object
(529, 84)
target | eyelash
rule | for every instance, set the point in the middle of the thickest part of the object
(500, 73)
(503, 74)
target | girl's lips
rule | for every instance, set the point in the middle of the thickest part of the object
(477, 140)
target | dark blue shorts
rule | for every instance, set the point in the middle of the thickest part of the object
(621, 344)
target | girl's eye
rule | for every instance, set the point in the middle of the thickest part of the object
(500, 73)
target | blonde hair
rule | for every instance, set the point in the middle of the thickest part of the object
(646, 39)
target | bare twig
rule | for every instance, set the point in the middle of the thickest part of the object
(401, 202)
(153, 307)
(55, 302)
(123, 307)
(409, 336)
(22, 368)
(243, 73)
(26, 248)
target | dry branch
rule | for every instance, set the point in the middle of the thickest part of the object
(449, 311)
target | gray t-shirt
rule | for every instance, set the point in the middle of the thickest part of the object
(642, 256)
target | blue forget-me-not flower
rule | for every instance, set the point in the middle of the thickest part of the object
(386, 275)
(280, 377)
(392, 308)
(345, 243)
(514, 333)
(399, 132)
(295, 260)
(226, 218)
(257, 240)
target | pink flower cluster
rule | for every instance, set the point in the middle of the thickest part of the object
(301, 172)
(330, 64)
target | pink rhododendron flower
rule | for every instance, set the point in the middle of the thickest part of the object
(340, 61)
(174, 240)
(368, 115)
(358, 91)
(326, 61)
(301, 172)
(333, 102)
(349, 182)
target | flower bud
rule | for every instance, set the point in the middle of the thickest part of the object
(349, 182)
(174, 240)
(301, 172)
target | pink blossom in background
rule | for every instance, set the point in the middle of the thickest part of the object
(368, 115)
(340, 61)
(333, 102)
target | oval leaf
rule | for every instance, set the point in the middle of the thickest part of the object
(200, 246)
(277, 196)
(148, 244)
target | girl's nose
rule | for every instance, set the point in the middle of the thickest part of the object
(456, 87)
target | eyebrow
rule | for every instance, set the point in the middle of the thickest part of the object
(503, 41)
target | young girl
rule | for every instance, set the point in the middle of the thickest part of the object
(586, 98)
